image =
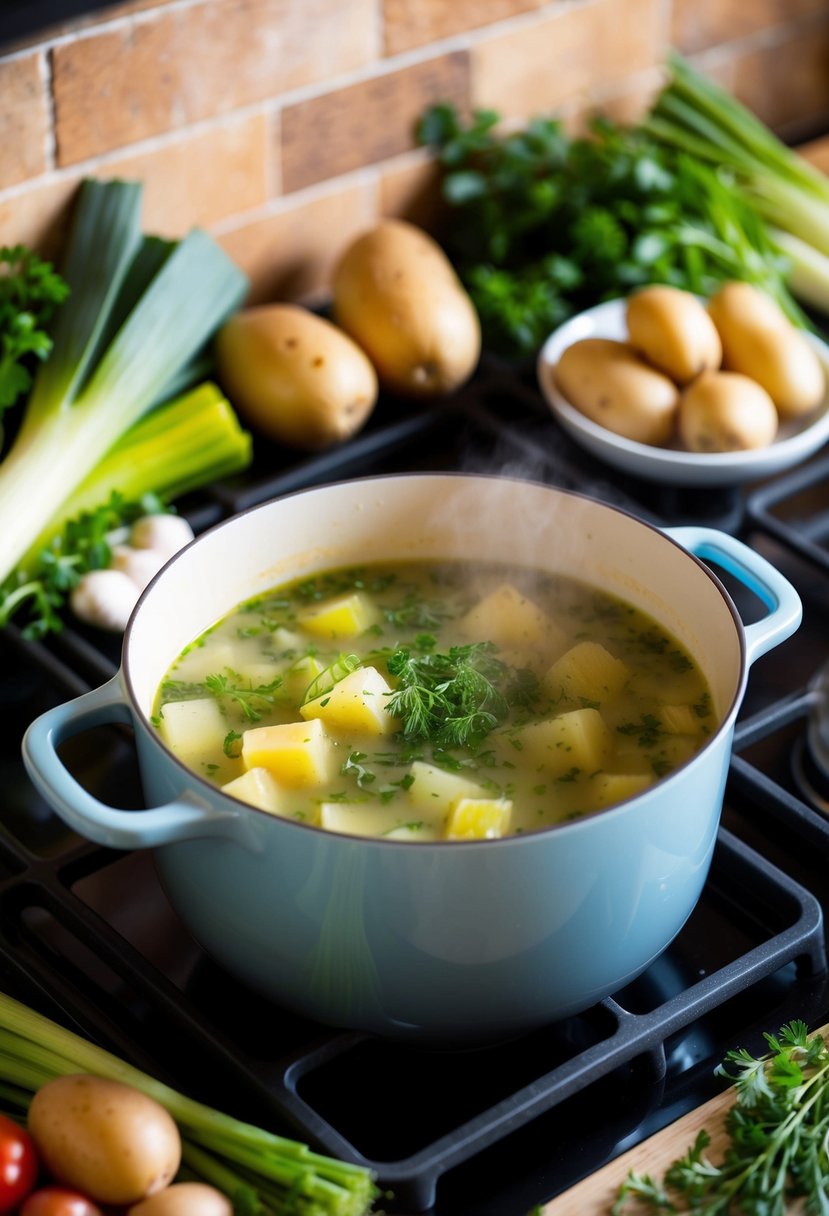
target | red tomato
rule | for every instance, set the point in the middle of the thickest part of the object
(18, 1163)
(58, 1201)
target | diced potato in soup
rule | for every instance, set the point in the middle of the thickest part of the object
(415, 702)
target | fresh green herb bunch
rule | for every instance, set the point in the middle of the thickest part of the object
(778, 1130)
(543, 225)
(455, 699)
(30, 292)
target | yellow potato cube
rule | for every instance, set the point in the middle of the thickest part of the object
(207, 661)
(257, 674)
(511, 621)
(578, 740)
(479, 819)
(606, 789)
(413, 832)
(299, 675)
(588, 672)
(679, 719)
(671, 752)
(193, 728)
(296, 753)
(434, 791)
(283, 639)
(347, 616)
(357, 702)
(257, 787)
(372, 819)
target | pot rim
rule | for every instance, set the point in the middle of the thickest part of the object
(515, 840)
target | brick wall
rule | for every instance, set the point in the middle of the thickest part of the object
(286, 126)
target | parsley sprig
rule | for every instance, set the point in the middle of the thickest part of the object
(39, 592)
(778, 1129)
(543, 225)
(30, 292)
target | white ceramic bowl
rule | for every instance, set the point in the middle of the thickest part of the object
(795, 441)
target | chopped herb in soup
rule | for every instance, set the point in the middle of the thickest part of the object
(422, 702)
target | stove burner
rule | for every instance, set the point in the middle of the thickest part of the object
(88, 936)
(810, 754)
(812, 780)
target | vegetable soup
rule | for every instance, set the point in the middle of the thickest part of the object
(422, 701)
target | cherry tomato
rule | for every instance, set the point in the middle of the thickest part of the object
(58, 1201)
(18, 1163)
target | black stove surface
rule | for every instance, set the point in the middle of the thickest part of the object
(87, 934)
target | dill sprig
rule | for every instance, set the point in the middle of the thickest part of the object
(453, 699)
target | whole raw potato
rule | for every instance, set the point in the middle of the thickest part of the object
(609, 383)
(673, 331)
(184, 1199)
(398, 296)
(726, 412)
(294, 376)
(759, 340)
(107, 1140)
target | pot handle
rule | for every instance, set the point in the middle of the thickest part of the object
(755, 573)
(184, 819)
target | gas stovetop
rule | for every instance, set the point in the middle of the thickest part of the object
(88, 937)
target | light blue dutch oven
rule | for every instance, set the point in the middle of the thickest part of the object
(435, 941)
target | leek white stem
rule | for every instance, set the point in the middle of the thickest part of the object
(137, 313)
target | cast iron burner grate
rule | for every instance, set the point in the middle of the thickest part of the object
(87, 935)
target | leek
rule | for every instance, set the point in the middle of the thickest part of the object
(171, 451)
(698, 117)
(260, 1172)
(178, 447)
(140, 311)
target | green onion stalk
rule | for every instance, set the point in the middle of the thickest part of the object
(698, 117)
(262, 1173)
(140, 311)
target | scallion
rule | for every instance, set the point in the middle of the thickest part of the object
(695, 115)
(260, 1171)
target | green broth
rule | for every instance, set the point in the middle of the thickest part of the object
(420, 701)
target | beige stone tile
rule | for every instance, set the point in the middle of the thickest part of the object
(84, 20)
(566, 56)
(817, 153)
(38, 215)
(290, 255)
(24, 120)
(367, 122)
(697, 25)
(787, 84)
(412, 192)
(407, 24)
(201, 179)
(181, 65)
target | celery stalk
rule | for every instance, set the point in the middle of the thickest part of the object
(258, 1169)
(139, 311)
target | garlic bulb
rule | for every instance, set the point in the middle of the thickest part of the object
(164, 533)
(104, 598)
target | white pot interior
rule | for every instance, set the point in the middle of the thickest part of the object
(425, 516)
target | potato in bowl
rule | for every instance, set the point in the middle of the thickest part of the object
(736, 429)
